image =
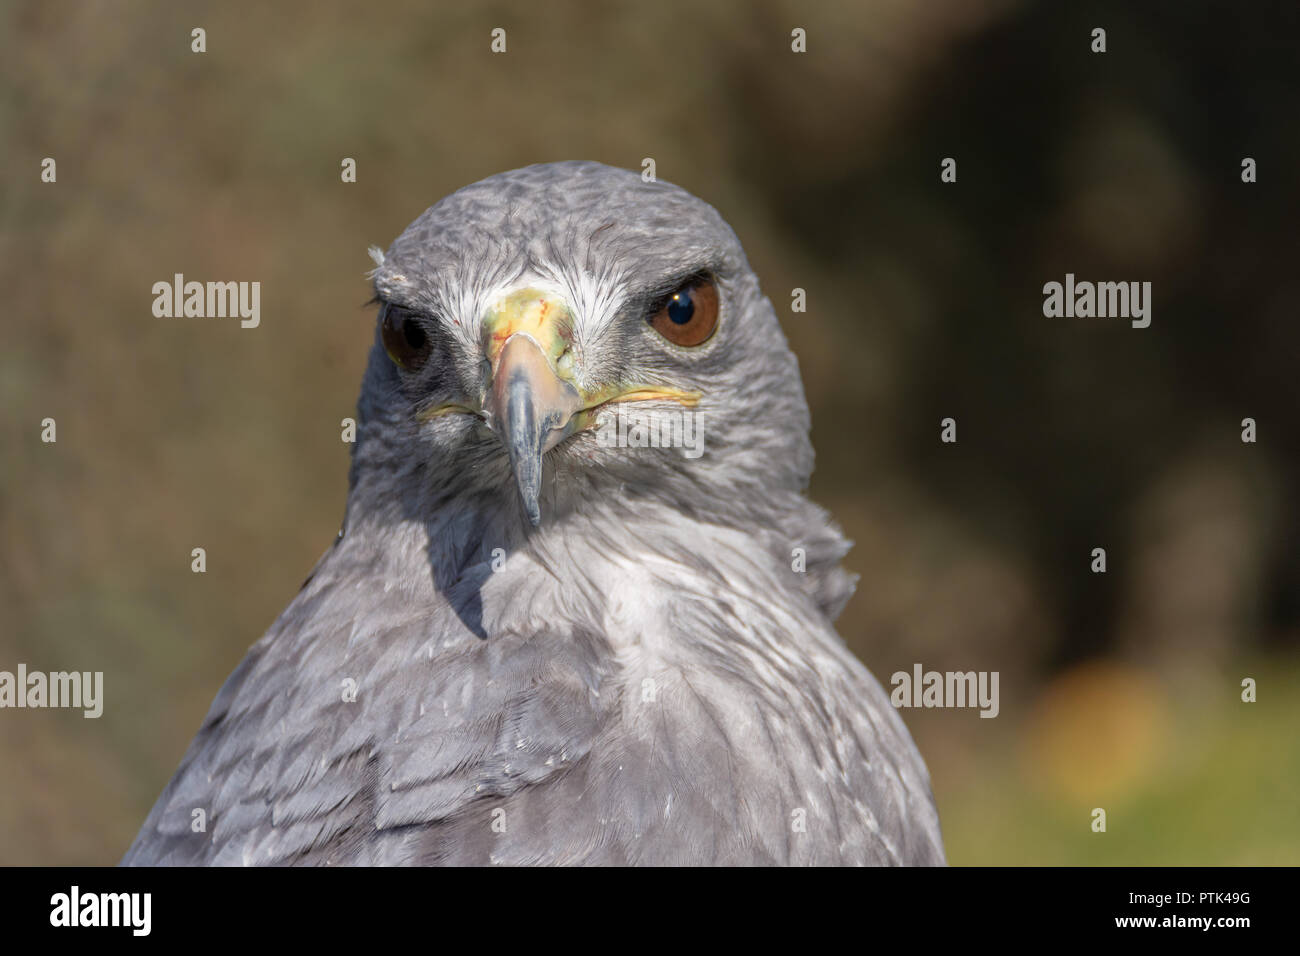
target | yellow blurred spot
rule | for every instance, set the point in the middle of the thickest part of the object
(1096, 732)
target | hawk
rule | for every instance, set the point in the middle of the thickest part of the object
(580, 611)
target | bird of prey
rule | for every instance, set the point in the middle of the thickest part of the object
(542, 637)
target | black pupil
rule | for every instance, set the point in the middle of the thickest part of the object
(681, 307)
(414, 334)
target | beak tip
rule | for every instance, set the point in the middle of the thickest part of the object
(534, 512)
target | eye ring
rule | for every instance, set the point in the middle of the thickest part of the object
(404, 337)
(689, 316)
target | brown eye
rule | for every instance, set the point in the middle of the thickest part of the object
(404, 338)
(689, 315)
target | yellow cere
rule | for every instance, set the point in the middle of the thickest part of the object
(541, 316)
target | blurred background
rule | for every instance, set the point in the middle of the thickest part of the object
(1119, 690)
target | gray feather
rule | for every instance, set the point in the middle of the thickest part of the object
(643, 679)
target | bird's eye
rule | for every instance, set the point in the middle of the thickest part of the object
(688, 316)
(404, 338)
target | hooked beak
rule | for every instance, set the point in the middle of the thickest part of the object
(534, 401)
(533, 405)
(534, 410)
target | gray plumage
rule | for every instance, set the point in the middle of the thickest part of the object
(640, 678)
